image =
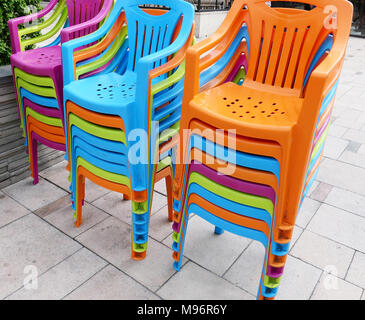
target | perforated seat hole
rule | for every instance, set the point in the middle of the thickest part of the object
(255, 106)
(249, 98)
(224, 98)
(241, 106)
(260, 102)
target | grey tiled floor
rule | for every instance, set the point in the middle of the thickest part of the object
(326, 261)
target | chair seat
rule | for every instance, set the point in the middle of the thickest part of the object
(42, 61)
(103, 93)
(230, 103)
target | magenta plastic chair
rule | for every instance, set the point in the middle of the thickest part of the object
(42, 67)
(84, 17)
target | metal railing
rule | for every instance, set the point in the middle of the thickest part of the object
(358, 26)
(211, 5)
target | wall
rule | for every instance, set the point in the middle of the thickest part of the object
(208, 22)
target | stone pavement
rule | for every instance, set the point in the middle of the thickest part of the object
(326, 261)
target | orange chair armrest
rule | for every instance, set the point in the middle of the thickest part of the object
(175, 61)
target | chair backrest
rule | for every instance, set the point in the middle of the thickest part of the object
(283, 42)
(80, 11)
(149, 33)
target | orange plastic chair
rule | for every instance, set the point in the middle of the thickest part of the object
(275, 112)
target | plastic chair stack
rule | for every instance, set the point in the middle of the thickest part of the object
(120, 127)
(37, 72)
(248, 154)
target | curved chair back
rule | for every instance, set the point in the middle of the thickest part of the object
(80, 11)
(148, 33)
(284, 41)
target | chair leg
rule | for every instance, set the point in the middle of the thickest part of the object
(80, 190)
(126, 197)
(170, 200)
(271, 277)
(34, 160)
(140, 223)
(218, 230)
(178, 254)
(83, 191)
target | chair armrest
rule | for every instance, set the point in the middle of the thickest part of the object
(220, 41)
(176, 60)
(144, 64)
(321, 81)
(67, 32)
(145, 73)
(69, 47)
(14, 23)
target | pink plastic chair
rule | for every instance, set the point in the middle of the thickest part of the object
(84, 17)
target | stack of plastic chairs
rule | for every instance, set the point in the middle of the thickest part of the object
(120, 127)
(37, 72)
(249, 153)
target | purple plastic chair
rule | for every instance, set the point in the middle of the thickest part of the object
(84, 17)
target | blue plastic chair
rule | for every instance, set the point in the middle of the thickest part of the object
(128, 95)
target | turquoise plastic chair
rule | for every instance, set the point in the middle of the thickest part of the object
(132, 96)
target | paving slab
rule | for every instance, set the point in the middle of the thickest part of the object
(10, 210)
(195, 283)
(342, 175)
(160, 226)
(36, 196)
(332, 288)
(58, 175)
(323, 253)
(340, 226)
(29, 242)
(356, 273)
(307, 211)
(214, 252)
(346, 200)
(246, 271)
(334, 147)
(63, 219)
(111, 239)
(111, 284)
(63, 278)
(321, 191)
(298, 281)
(114, 204)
